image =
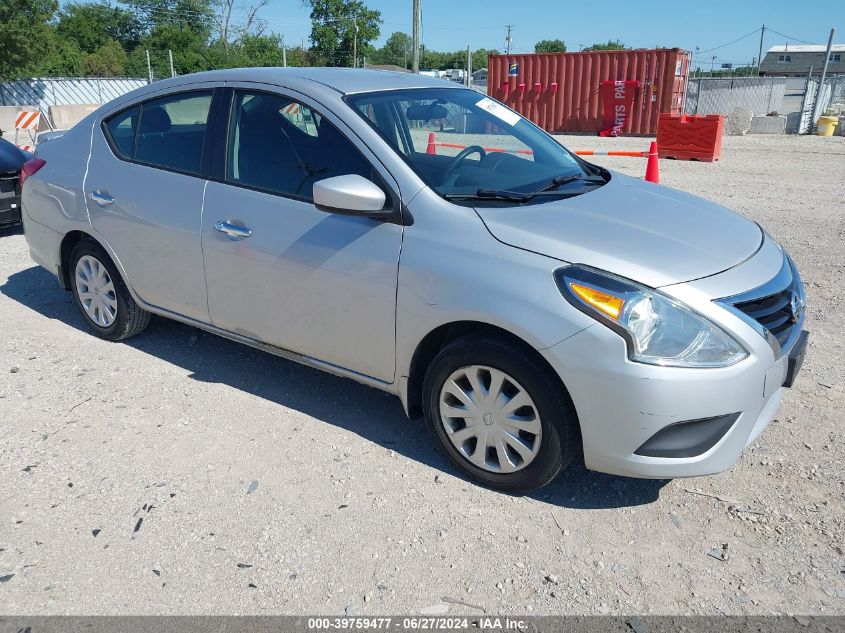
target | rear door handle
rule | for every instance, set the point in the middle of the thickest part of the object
(232, 230)
(101, 198)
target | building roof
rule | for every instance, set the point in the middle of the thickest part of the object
(806, 48)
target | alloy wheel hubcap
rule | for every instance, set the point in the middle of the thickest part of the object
(490, 419)
(95, 290)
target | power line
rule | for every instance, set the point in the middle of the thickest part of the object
(795, 39)
(739, 39)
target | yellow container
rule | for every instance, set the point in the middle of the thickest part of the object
(826, 125)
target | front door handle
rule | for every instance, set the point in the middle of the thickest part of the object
(101, 198)
(232, 230)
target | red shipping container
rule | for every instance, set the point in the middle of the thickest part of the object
(568, 97)
(690, 137)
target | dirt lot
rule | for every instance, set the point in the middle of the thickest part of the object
(182, 473)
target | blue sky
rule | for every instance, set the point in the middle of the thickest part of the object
(454, 24)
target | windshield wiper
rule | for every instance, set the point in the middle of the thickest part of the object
(519, 196)
(489, 194)
(559, 181)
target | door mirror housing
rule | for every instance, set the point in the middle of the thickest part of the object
(351, 194)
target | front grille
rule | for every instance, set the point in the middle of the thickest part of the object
(773, 312)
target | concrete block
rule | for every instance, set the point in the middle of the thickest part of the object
(738, 122)
(65, 117)
(768, 125)
(8, 114)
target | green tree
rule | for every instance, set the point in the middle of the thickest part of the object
(190, 49)
(94, 25)
(107, 61)
(610, 45)
(262, 50)
(397, 50)
(479, 58)
(63, 58)
(333, 28)
(181, 26)
(186, 15)
(550, 46)
(297, 56)
(25, 35)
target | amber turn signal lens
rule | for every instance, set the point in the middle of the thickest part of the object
(607, 304)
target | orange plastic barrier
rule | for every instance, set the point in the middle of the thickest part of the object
(690, 137)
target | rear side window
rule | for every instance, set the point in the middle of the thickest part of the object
(166, 132)
(171, 131)
(121, 129)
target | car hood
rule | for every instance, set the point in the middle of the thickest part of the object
(651, 234)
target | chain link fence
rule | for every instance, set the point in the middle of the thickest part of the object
(42, 93)
(837, 92)
(761, 95)
(819, 99)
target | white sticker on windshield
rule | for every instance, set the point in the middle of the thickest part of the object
(499, 111)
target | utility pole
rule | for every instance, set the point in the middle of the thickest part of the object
(170, 57)
(284, 56)
(469, 68)
(355, 44)
(415, 57)
(149, 67)
(822, 78)
(760, 52)
(508, 39)
(712, 61)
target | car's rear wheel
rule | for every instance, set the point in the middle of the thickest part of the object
(499, 414)
(101, 295)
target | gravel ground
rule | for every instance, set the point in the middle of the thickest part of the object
(180, 473)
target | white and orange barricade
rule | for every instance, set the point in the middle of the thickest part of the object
(27, 120)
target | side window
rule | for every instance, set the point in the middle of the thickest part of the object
(280, 145)
(121, 129)
(171, 131)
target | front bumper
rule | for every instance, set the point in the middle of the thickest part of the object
(621, 405)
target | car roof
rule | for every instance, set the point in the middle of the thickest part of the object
(342, 80)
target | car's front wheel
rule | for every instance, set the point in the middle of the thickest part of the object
(101, 295)
(499, 414)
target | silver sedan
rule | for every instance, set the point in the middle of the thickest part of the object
(426, 240)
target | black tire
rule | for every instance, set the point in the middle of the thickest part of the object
(130, 319)
(560, 440)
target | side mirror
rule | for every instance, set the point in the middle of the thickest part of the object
(351, 194)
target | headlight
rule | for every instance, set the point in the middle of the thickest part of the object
(657, 329)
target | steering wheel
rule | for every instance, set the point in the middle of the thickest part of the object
(461, 157)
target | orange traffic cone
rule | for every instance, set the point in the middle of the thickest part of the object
(652, 171)
(431, 149)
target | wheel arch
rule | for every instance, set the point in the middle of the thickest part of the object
(443, 335)
(70, 240)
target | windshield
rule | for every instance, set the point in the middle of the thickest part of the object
(462, 143)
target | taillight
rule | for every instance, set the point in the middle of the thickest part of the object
(30, 167)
